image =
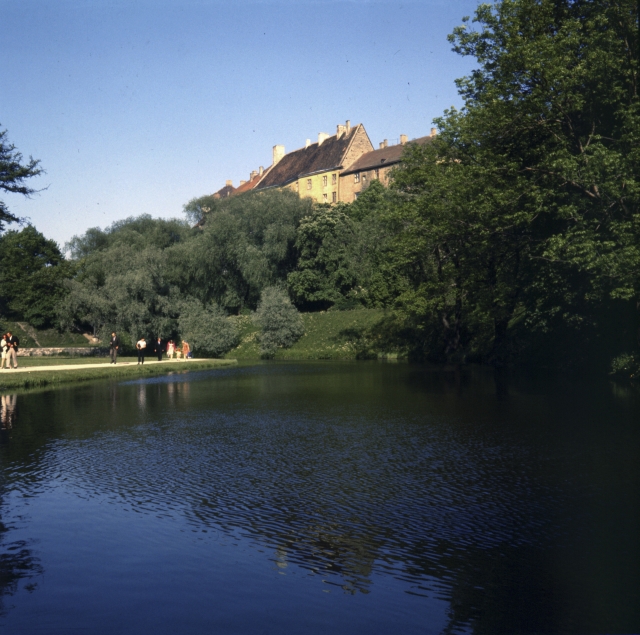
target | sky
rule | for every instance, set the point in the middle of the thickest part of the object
(137, 106)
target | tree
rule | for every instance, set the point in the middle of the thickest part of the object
(32, 276)
(13, 175)
(206, 328)
(523, 217)
(280, 323)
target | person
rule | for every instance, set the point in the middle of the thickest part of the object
(141, 345)
(12, 350)
(186, 349)
(114, 345)
(157, 349)
(171, 347)
(3, 347)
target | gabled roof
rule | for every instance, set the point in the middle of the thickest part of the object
(314, 158)
(383, 157)
(227, 190)
(249, 185)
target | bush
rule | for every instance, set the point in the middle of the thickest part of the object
(207, 329)
(280, 323)
(627, 365)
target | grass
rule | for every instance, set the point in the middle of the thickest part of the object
(10, 380)
(328, 335)
(48, 338)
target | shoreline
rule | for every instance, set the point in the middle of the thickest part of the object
(54, 375)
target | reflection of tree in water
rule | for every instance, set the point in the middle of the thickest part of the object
(16, 563)
(16, 559)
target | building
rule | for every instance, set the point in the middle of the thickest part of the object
(374, 165)
(314, 170)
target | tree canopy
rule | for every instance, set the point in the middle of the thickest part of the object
(14, 174)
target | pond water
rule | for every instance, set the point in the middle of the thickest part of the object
(321, 497)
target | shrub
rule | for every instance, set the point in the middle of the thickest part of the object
(207, 329)
(280, 323)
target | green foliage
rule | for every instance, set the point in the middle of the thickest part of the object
(13, 174)
(32, 276)
(627, 365)
(280, 323)
(207, 329)
(246, 243)
(521, 221)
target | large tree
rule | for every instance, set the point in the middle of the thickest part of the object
(523, 217)
(13, 175)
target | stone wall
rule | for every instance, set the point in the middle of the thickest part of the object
(79, 351)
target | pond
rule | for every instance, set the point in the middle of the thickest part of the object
(321, 497)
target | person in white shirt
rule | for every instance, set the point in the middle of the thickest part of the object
(141, 345)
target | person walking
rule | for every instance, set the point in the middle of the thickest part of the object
(3, 348)
(171, 347)
(12, 350)
(141, 345)
(114, 346)
(186, 349)
(157, 348)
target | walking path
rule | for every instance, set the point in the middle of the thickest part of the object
(30, 369)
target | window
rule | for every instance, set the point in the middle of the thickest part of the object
(334, 197)
(324, 181)
(324, 198)
(308, 184)
(357, 194)
(334, 178)
(377, 173)
(364, 177)
(356, 177)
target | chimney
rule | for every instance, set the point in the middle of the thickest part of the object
(242, 182)
(260, 171)
(307, 143)
(383, 144)
(434, 132)
(403, 139)
(229, 183)
(253, 175)
(321, 137)
(348, 126)
(278, 153)
(340, 130)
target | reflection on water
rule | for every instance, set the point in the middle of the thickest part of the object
(514, 502)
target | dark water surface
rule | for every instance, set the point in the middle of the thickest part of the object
(321, 497)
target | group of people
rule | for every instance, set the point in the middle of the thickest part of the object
(157, 348)
(9, 345)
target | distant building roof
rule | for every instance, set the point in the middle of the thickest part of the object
(248, 185)
(316, 157)
(224, 192)
(383, 157)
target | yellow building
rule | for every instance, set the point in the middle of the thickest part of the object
(314, 170)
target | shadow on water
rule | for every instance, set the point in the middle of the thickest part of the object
(513, 499)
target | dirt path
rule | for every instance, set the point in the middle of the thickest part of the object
(30, 369)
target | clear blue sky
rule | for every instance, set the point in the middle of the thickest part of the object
(138, 106)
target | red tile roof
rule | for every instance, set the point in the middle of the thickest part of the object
(383, 157)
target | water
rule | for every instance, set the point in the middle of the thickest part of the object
(321, 497)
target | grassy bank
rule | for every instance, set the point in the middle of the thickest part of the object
(35, 379)
(47, 338)
(328, 335)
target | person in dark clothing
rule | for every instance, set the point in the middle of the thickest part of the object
(157, 349)
(114, 346)
(12, 350)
